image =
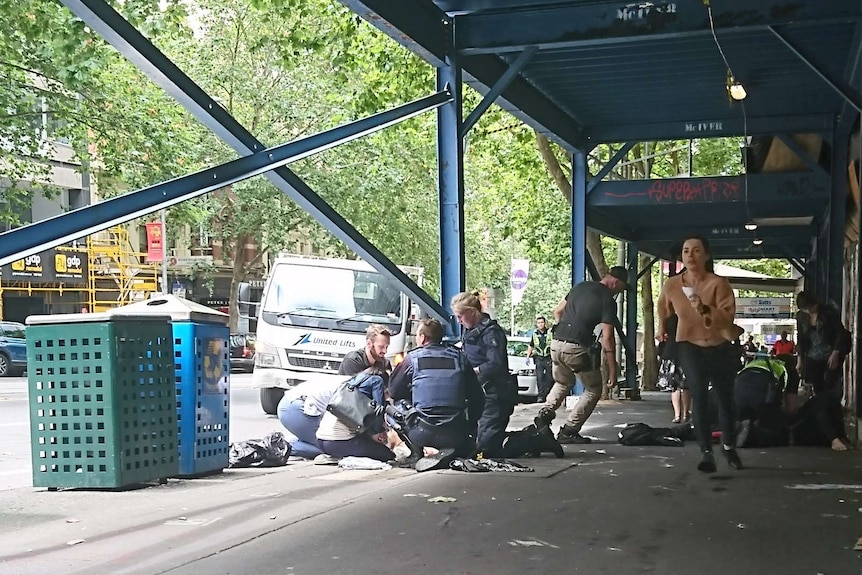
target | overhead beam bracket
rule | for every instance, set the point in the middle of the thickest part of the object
(497, 89)
(606, 169)
(845, 92)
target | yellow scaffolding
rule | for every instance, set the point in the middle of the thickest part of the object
(118, 274)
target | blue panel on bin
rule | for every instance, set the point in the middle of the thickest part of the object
(202, 367)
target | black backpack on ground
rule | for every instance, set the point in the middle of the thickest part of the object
(640, 434)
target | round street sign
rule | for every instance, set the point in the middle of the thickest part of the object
(519, 279)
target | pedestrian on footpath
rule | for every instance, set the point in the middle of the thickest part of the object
(588, 305)
(705, 306)
(539, 351)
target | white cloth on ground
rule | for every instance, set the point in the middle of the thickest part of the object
(352, 462)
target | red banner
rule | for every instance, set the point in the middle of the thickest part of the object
(155, 245)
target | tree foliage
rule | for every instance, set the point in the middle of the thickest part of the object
(287, 69)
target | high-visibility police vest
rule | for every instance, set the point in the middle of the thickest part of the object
(538, 350)
(438, 377)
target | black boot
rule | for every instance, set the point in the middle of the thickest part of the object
(544, 418)
(733, 459)
(569, 435)
(707, 463)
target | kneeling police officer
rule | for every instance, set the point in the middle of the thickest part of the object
(484, 343)
(437, 397)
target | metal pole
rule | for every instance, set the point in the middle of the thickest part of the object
(163, 215)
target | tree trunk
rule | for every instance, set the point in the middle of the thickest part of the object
(560, 177)
(238, 273)
(649, 377)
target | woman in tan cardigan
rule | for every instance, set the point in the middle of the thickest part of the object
(705, 305)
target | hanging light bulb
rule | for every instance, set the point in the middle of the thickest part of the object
(751, 225)
(757, 241)
(735, 89)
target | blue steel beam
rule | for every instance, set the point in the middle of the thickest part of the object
(775, 188)
(838, 220)
(497, 89)
(711, 128)
(105, 21)
(582, 24)
(648, 267)
(450, 181)
(797, 265)
(802, 154)
(579, 217)
(734, 230)
(45, 234)
(606, 169)
(418, 25)
(591, 267)
(524, 101)
(850, 95)
(851, 77)
(736, 249)
(426, 30)
(632, 317)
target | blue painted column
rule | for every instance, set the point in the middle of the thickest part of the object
(837, 220)
(450, 182)
(579, 217)
(632, 317)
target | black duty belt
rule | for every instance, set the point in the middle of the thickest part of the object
(573, 342)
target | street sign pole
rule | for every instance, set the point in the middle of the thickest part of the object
(163, 215)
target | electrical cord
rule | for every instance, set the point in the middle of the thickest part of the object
(744, 124)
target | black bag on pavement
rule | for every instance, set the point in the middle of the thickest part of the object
(639, 434)
(271, 451)
(355, 409)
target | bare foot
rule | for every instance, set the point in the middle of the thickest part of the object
(838, 445)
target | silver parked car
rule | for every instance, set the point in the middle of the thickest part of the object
(528, 391)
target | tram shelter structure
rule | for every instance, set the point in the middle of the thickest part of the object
(584, 73)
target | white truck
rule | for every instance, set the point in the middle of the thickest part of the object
(314, 311)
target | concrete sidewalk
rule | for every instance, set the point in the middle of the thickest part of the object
(604, 508)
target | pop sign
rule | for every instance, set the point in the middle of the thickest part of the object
(520, 274)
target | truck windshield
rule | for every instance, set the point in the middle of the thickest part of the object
(331, 298)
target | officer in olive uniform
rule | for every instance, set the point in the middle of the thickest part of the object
(484, 342)
(437, 393)
(540, 352)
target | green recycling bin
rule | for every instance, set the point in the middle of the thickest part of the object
(102, 400)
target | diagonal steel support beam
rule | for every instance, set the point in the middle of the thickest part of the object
(497, 89)
(591, 266)
(63, 228)
(105, 21)
(851, 78)
(648, 267)
(797, 265)
(802, 154)
(606, 169)
(846, 92)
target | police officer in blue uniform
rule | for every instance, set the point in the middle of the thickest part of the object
(484, 342)
(438, 397)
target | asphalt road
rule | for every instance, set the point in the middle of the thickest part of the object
(247, 421)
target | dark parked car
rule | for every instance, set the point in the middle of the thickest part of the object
(13, 348)
(242, 351)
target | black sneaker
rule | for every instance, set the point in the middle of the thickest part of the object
(544, 418)
(707, 463)
(566, 435)
(732, 458)
(549, 443)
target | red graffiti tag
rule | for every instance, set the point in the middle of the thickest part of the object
(688, 191)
